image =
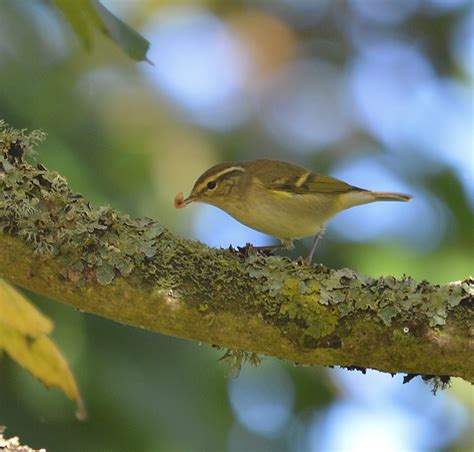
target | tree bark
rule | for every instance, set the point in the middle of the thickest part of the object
(137, 272)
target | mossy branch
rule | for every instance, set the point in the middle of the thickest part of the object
(137, 272)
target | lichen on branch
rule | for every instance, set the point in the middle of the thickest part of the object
(135, 271)
(13, 444)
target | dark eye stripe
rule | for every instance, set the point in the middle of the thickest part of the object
(218, 177)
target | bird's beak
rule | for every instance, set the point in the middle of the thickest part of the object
(188, 200)
(180, 202)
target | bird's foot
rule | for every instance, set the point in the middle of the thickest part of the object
(251, 250)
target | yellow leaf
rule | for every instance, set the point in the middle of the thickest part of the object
(24, 336)
(18, 313)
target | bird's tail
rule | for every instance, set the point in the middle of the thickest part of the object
(385, 196)
(360, 196)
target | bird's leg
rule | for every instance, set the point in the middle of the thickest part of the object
(313, 246)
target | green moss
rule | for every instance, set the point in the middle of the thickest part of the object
(317, 298)
(305, 313)
(100, 245)
(291, 299)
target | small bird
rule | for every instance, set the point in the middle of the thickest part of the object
(278, 198)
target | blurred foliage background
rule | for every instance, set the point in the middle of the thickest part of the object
(376, 92)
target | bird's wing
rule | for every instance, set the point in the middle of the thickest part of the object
(307, 183)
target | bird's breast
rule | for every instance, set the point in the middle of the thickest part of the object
(282, 214)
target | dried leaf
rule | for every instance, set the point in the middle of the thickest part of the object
(24, 335)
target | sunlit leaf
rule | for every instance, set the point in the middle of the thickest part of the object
(79, 15)
(86, 15)
(24, 335)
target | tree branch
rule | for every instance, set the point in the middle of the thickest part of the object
(136, 272)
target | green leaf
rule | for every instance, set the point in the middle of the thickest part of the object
(131, 42)
(86, 15)
(80, 16)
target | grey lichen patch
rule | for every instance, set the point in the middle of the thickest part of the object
(461, 291)
(13, 444)
(105, 274)
(37, 206)
(99, 245)
(318, 298)
(18, 143)
(388, 313)
(288, 293)
(395, 299)
(436, 301)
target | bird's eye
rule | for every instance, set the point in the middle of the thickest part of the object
(211, 185)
